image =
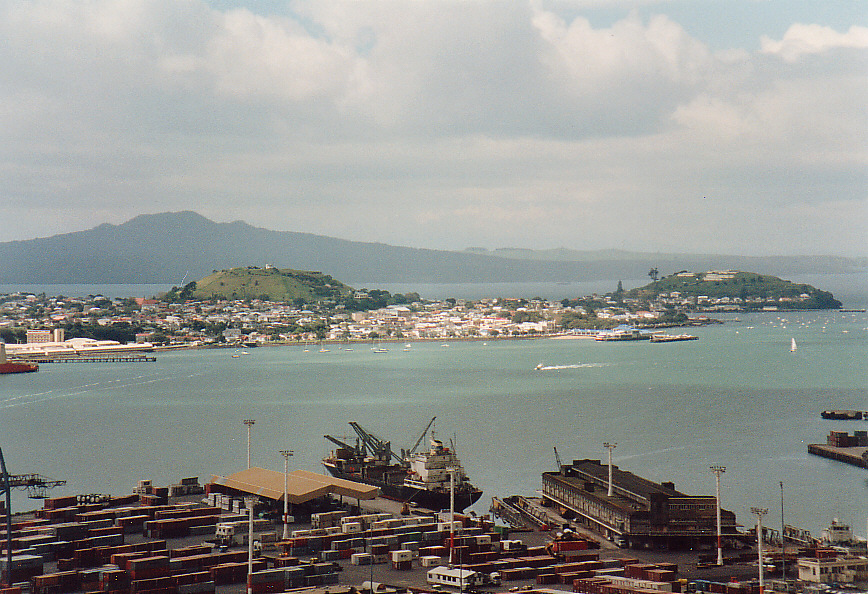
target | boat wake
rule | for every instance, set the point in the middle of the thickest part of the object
(575, 366)
(84, 389)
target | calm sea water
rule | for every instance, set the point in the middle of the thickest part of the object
(737, 397)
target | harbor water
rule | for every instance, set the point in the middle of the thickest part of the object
(736, 397)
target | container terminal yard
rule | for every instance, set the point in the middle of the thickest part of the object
(340, 537)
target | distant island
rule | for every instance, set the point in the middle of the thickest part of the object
(168, 248)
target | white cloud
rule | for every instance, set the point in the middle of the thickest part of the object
(424, 123)
(801, 40)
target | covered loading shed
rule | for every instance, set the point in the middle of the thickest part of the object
(302, 487)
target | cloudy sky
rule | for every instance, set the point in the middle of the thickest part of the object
(734, 126)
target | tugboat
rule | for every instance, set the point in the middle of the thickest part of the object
(421, 478)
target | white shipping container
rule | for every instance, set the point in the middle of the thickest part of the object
(361, 559)
(431, 561)
(352, 528)
(402, 555)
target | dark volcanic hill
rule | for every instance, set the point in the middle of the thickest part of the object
(163, 248)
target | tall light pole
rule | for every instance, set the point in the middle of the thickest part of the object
(760, 512)
(249, 423)
(783, 541)
(451, 470)
(718, 470)
(610, 447)
(286, 454)
(251, 503)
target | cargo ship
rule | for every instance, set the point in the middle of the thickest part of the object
(417, 478)
(7, 366)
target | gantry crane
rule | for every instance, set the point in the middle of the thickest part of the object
(37, 488)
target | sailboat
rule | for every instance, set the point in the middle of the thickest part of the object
(793, 346)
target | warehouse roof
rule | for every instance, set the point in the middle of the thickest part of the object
(301, 485)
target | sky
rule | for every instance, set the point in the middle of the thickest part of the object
(711, 126)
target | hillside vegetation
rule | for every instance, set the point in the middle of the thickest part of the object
(753, 289)
(270, 284)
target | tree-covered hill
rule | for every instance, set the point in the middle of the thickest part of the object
(270, 284)
(754, 290)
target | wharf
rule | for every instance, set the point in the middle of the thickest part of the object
(851, 455)
(99, 359)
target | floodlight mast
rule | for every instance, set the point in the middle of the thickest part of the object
(286, 454)
(718, 470)
(610, 447)
(249, 423)
(760, 512)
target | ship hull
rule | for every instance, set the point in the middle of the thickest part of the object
(11, 367)
(433, 500)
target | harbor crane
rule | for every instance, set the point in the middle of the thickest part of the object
(380, 449)
(558, 460)
(37, 488)
(369, 444)
(421, 437)
(36, 485)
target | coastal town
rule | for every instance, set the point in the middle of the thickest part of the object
(372, 315)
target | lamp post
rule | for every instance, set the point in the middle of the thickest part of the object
(718, 470)
(760, 512)
(610, 447)
(286, 454)
(249, 423)
(251, 503)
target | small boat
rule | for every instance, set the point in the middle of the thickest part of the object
(538, 367)
(793, 346)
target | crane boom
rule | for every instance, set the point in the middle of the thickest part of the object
(342, 444)
(36, 485)
(379, 449)
(421, 437)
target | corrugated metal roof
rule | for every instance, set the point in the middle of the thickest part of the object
(301, 485)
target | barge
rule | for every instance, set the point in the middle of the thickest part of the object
(672, 337)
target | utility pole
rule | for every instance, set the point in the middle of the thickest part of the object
(760, 512)
(249, 423)
(610, 447)
(286, 454)
(718, 470)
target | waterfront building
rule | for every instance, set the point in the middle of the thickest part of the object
(639, 513)
(832, 568)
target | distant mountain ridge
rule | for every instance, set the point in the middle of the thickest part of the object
(171, 246)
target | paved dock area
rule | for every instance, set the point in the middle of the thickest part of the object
(352, 575)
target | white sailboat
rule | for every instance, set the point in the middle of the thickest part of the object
(793, 346)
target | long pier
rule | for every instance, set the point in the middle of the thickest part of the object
(99, 359)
